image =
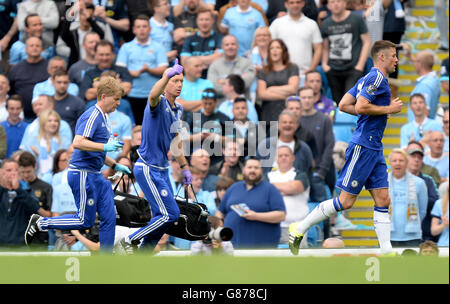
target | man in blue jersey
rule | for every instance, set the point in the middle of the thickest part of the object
(365, 165)
(92, 192)
(161, 129)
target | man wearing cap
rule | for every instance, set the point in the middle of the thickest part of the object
(414, 166)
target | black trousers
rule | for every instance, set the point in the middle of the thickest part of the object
(342, 81)
(138, 106)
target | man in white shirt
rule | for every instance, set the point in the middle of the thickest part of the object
(293, 186)
(301, 36)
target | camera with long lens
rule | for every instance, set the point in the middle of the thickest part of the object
(220, 234)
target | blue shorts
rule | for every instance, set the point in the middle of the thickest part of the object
(363, 167)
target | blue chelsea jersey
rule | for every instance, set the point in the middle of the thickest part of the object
(94, 125)
(370, 128)
(159, 127)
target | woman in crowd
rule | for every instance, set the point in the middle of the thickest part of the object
(48, 141)
(258, 55)
(276, 81)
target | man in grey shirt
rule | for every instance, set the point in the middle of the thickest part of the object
(228, 64)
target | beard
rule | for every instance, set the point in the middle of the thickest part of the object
(251, 181)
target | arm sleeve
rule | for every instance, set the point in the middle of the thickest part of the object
(122, 57)
(372, 86)
(302, 177)
(422, 194)
(86, 125)
(436, 211)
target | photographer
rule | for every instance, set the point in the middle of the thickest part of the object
(210, 245)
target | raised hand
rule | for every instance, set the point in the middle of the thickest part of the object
(175, 70)
(187, 177)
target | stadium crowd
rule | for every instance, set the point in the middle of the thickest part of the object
(247, 64)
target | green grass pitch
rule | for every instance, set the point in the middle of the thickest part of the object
(222, 270)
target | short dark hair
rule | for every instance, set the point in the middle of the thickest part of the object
(5, 161)
(417, 95)
(224, 183)
(30, 16)
(89, 5)
(239, 99)
(415, 142)
(141, 17)
(60, 72)
(237, 83)
(104, 43)
(251, 158)
(379, 46)
(27, 159)
(15, 97)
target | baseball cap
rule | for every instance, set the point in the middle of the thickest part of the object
(415, 150)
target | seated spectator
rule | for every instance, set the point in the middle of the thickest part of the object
(212, 247)
(439, 222)
(146, 61)
(428, 248)
(267, 150)
(333, 243)
(415, 164)
(437, 158)
(427, 84)
(17, 205)
(293, 186)
(33, 28)
(47, 11)
(41, 190)
(258, 226)
(313, 79)
(200, 160)
(63, 200)
(26, 74)
(409, 198)
(426, 169)
(241, 21)
(419, 128)
(48, 87)
(231, 166)
(222, 186)
(258, 54)
(67, 105)
(294, 105)
(4, 89)
(40, 105)
(136, 137)
(301, 36)
(70, 42)
(161, 29)
(77, 70)
(14, 126)
(60, 164)
(234, 87)
(320, 125)
(104, 55)
(207, 126)
(205, 44)
(229, 64)
(277, 81)
(193, 85)
(48, 141)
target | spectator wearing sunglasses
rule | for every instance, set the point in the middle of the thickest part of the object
(420, 128)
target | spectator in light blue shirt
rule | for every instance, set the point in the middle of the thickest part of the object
(161, 29)
(242, 21)
(145, 60)
(417, 128)
(409, 199)
(439, 222)
(427, 84)
(193, 85)
(437, 158)
(47, 87)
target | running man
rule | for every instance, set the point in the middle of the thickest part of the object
(365, 164)
(160, 132)
(92, 192)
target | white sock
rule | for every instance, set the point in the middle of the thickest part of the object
(325, 210)
(382, 225)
